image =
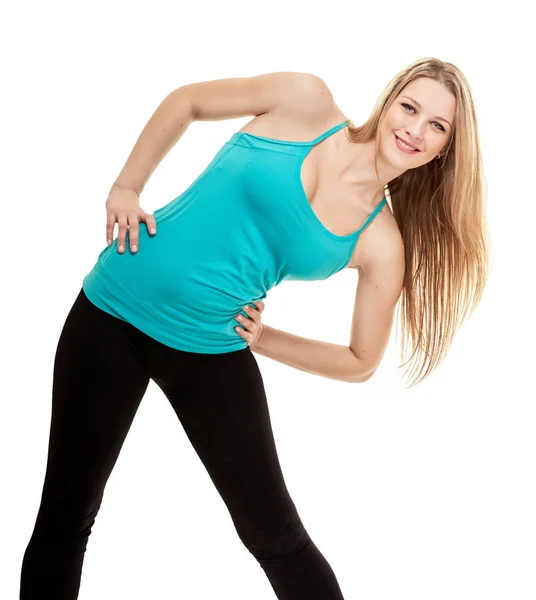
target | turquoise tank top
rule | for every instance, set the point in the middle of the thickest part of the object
(242, 227)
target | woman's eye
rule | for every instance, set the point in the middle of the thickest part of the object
(441, 128)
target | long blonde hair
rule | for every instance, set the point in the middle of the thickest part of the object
(440, 211)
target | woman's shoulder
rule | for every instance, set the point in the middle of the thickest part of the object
(306, 111)
(377, 243)
(298, 124)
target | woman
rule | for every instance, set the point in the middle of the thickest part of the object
(286, 197)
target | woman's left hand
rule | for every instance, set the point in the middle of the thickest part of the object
(252, 323)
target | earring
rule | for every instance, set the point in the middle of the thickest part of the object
(438, 156)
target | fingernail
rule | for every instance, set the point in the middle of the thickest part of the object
(134, 248)
(153, 230)
(121, 248)
(109, 242)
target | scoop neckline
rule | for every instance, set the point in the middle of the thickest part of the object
(336, 237)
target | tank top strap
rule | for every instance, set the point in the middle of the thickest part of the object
(373, 214)
(329, 132)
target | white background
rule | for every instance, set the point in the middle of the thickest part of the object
(421, 494)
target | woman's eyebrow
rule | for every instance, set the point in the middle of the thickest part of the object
(415, 102)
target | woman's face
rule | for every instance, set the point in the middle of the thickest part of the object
(423, 115)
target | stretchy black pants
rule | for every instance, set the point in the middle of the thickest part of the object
(102, 369)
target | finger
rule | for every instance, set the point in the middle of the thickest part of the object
(252, 313)
(252, 329)
(133, 231)
(121, 237)
(244, 321)
(150, 222)
(250, 325)
(248, 337)
(110, 223)
(256, 317)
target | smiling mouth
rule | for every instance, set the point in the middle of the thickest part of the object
(410, 149)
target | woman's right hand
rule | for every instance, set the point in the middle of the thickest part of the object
(123, 207)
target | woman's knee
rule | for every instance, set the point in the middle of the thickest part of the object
(270, 526)
(272, 542)
(64, 521)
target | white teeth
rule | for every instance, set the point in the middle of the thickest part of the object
(405, 145)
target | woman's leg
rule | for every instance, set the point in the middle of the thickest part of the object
(98, 384)
(221, 403)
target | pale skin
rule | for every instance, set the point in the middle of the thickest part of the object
(342, 188)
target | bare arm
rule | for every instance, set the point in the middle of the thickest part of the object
(215, 100)
(163, 130)
(378, 290)
(319, 358)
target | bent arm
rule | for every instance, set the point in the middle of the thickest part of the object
(381, 279)
(163, 130)
(216, 100)
(319, 358)
(313, 356)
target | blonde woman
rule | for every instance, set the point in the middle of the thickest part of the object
(298, 193)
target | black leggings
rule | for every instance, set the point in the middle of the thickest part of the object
(102, 369)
